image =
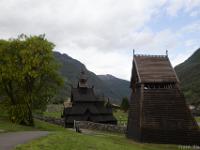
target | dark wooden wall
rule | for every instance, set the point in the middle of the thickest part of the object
(133, 126)
(161, 116)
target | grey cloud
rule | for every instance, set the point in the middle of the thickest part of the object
(81, 25)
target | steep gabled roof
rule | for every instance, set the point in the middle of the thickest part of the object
(80, 109)
(84, 95)
(154, 68)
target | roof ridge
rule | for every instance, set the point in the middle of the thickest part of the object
(144, 55)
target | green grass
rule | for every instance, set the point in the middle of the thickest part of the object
(121, 116)
(61, 139)
(41, 125)
(7, 126)
(70, 140)
(52, 114)
(54, 111)
(197, 119)
(64, 139)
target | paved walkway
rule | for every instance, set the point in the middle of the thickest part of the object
(9, 140)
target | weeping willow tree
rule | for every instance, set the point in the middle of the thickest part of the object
(28, 76)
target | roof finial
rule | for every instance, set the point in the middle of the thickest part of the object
(133, 52)
(82, 70)
(166, 52)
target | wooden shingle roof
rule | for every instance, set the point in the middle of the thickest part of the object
(80, 109)
(152, 68)
(84, 95)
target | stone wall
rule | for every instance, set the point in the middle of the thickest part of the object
(57, 121)
(85, 124)
(100, 127)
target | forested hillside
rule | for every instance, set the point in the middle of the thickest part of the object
(70, 69)
(118, 86)
(189, 75)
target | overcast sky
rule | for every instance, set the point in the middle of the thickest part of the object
(102, 33)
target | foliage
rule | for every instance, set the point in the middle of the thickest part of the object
(121, 116)
(125, 104)
(197, 119)
(189, 73)
(28, 76)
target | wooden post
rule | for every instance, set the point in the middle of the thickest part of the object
(133, 52)
(141, 108)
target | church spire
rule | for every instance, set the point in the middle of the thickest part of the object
(83, 80)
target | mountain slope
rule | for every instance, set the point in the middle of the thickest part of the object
(70, 70)
(189, 75)
(119, 86)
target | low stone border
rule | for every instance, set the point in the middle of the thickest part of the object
(57, 121)
(85, 124)
(100, 127)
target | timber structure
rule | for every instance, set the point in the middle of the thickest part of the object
(86, 106)
(158, 110)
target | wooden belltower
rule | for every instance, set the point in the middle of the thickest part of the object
(158, 111)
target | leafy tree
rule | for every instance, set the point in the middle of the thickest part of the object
(28, 76)
(125, 104)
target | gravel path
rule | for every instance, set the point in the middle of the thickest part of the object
(9, 140)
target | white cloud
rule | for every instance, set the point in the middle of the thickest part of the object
(88, 23)
(174, 6)
(195, 13)
(193, 27)
(100, 33)
(181, 57)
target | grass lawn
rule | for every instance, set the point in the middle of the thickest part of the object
(64, 139)
(121, 116)
(52, 114)
(70, 140)
(7, 126)
(54, 111)
(198, 119)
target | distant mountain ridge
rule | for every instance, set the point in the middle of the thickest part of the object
(119, 86)
(189, 75)
(70, 69)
